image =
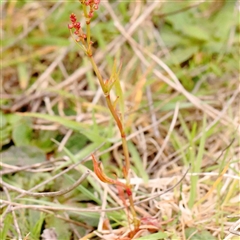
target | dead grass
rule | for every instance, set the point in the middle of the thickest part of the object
(169, 126)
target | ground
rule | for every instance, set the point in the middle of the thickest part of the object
(180, 81)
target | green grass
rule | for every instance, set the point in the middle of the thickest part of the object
(199, 43)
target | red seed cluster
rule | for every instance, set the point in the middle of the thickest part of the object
(77, 26)
(93, 4)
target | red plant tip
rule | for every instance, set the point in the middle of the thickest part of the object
(73, 18)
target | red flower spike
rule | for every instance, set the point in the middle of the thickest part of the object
(73, 18)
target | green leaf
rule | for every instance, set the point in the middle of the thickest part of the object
(178, 21)
(13, 118)
(5, 135)
(196, 32)
(155, 236)
(200, 235)
(3, 120)
(23, 75)
(57, 119)
(60, 227)
(114, 80)
(181, 55)
(173, 38)
(55, 41)
(77, 126)
(76, 142)
(36, 221)
(135, 157)
(224, 20)
(22, 132)
(85, 191)
(22, 156)
(8, 222)
(119, 93)
(197, 161)
(42, 140)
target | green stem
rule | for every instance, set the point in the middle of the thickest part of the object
(99, 76)
(89, 52)
(118, 121)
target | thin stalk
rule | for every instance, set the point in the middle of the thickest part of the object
(99, 76)
(132, 209)
(123, 136)
(106, 89)
(89, 52)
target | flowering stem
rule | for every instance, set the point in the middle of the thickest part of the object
(86, 44)
(123, 136)
(114, 114)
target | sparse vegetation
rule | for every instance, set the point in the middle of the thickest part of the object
(180, 93)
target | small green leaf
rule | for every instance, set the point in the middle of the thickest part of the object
(23, 75)
(8, 222)
(43, 140)
(3, 120)
(22, 156)
(77, 126)
(5, 135)
(136, 159)
(181, 55)
(200, 235)
(22, 133)
(13, 118)
(76, 142)
(36, 221)
(61, 227)
(196, 32)
(54, 41)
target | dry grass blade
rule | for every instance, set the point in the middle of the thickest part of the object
(65, 208)
(34, 25)
(175, 69)
(46, 194)
(168, 190)
(51, 179)
(175, 84)
(13, 214)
